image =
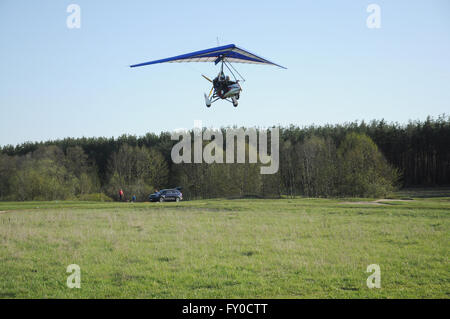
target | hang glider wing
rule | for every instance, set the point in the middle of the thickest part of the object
(230, 53)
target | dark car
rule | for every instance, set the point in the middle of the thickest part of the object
(166, 195)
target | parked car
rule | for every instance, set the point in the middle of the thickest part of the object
(166, 195)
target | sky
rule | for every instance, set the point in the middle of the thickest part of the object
(58, 82)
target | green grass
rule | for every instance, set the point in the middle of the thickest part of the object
(288, 248)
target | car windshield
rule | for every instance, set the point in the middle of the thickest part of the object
(164, 191)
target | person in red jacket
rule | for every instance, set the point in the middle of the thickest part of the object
(121, 194)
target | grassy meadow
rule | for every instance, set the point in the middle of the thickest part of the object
(247, 248)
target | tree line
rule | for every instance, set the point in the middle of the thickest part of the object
(352, 159)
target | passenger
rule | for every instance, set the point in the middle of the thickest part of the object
(228, 81)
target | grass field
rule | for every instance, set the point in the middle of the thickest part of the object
(287, 248)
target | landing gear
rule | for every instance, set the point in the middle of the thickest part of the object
(235, 102)
(207, 101)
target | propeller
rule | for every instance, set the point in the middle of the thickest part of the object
(207, 78)
(210, 91)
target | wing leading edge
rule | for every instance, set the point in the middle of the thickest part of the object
(230, 52)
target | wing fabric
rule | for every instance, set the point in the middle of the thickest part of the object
(230, 53)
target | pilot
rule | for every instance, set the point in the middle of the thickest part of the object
(224, 83)
(220, 83)
(218, 80)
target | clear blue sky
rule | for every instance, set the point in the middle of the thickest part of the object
(57, 82)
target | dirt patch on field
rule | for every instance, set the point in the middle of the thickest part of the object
(393, 200)
(377, 202)
(363, 203)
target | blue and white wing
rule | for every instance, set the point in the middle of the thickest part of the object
(230, 53)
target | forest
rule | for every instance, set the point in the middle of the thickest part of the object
(356, 159)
